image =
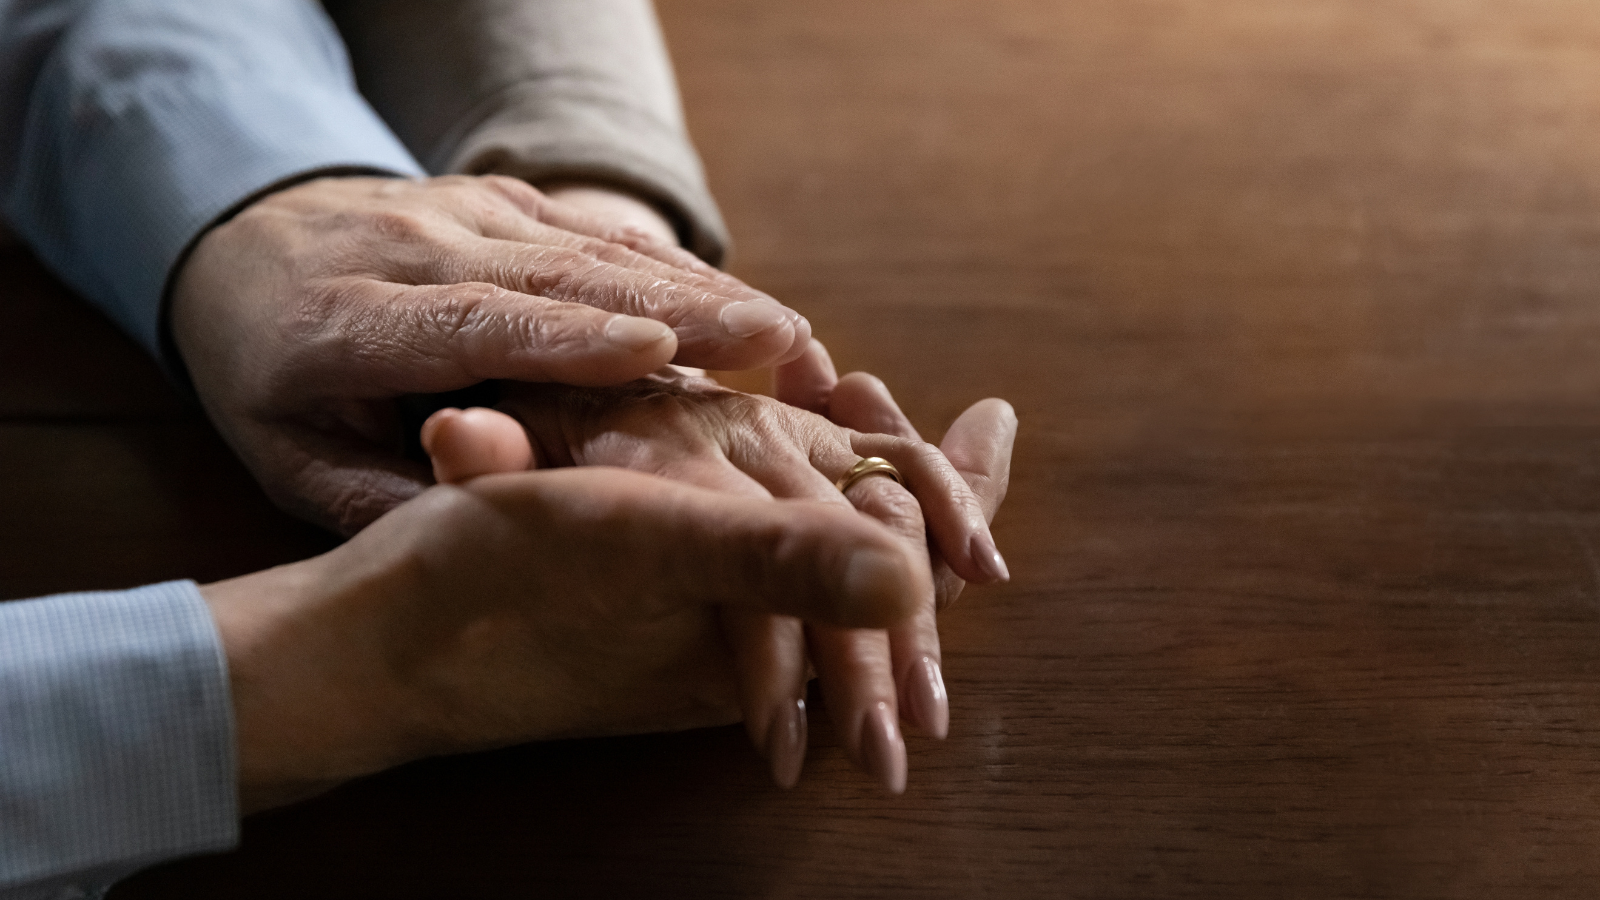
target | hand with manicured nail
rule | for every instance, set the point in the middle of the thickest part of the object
(304, 317)
(978, 446)
(692, 430)
(529, 606)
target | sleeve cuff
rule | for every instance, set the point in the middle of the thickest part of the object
(116, 737)
(538, 133)
(147, 177)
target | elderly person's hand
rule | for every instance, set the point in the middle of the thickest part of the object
(978, 444)
(305, 316)
(529, 606)
(693, 430)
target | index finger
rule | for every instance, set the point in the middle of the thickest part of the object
(718, 326)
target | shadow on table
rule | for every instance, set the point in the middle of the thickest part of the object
(617, 817)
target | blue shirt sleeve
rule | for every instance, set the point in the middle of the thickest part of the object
(127, 127)
(141, 122)
(116, 738)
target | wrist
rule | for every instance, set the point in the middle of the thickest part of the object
(313, 706)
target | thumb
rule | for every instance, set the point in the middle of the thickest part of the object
(477, 441)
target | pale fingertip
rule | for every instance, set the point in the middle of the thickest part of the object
(748, 318)
(505, 445)
(635, 333)
(786, 743)
(986, 556)
(464, 444)
(927, 701)
(430, 428)
(1007, 412)
(802, 341)
(883, 751)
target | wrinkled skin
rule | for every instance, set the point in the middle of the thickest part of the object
(690, 429)
(303, 318)
(978, 445)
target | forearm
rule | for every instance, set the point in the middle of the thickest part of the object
(308, 714)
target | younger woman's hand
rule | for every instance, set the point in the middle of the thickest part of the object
(497, 612)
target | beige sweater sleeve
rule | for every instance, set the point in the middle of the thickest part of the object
(543, 90)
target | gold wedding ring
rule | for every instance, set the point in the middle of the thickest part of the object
(870, 465)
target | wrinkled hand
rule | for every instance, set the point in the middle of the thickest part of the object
(304, 317)
(525, 607)
(692, 430)
(978, 444)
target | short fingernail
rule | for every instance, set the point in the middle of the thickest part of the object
(988, 559)
(635, 333)
(930, 705)
(786, 743)
(749, 318)
(872, 578)
(882, 749)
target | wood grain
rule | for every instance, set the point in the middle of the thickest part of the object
(1297, 305)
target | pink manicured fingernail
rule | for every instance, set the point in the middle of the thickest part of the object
(634, 333)
(750, 318)
(988, 559)
(786, 743)
(882, 749)
(930, 705)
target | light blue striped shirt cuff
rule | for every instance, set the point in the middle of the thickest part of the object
(116, 738)
(149, 121)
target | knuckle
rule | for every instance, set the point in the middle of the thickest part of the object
(548, 271)
(921, 451)
(323, 310)
(921, 455)
(590, 245)
(947, 588)
(455, 313)
(752, 408)
(556, 335)
(455, 182)
(399, 225)
(888, 502)
(516, 190)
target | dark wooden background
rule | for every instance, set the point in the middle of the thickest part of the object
(1299, 304)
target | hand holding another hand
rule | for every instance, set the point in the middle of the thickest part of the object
(496, 612)
(525, 607)
(305, 316)
(691, 429)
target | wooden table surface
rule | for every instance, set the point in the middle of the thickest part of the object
(1299, 305)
